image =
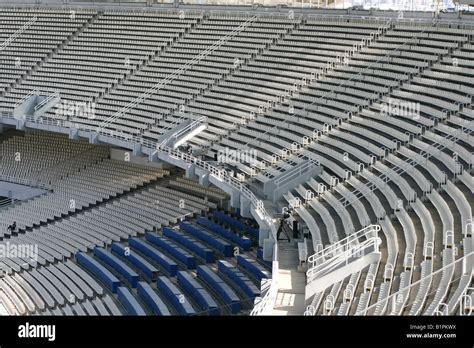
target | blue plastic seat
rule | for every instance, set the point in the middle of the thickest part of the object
(190, 243)
(164, 261)
(118, 265)
(151, 298)
(98, 270)
(135, 259)
(197, 292)
(175, 296)
(172, 249)
(227, 295)
(129, 302)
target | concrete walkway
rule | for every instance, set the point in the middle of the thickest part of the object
(290, 299)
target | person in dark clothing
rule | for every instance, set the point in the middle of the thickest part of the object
(12, 227)
(282, 227)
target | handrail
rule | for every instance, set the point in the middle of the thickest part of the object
(27, 182)
(420, 158)
(365, 232)
(25, 98)
(46, 100)
(194, 124)
(340, 252)
(190, 159)
(17, 33)
(397, 294)
(266, 304)
(281, 180)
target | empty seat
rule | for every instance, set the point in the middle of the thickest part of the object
(98, 270)
(130, 303)
(190, 243)
(164, 261)
(139, 262)
(242, 242)
(200, 295)
(175, 296)
(241, 281)
(119, 266)
(228, 296)
(173, 249)
(253, 267)
(208, 238)
(151, 298)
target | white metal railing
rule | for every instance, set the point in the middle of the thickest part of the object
(46, 100)
(17, 33)
(193, 125)
(351, 245)
(367, 232)
(190, 127)
(220, 174)
(172, 124)
(26, 182)
(26, 97)
(266, 304)
(291, 174)
(420, 158)
(401, 294)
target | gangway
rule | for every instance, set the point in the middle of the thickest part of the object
(339, 260)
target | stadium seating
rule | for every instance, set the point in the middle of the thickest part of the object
(384, 106)
(173, 249)
(242, 242)
(208, 238)
(139, 262)
(175, 296)
(190, 243)
(252, 267)
(100, 271)
(164, 261)
(198, 293)
(129, 302)
(152, 299)
(238, 278)
(117, 265)
(221, 287)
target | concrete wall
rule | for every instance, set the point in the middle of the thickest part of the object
(123, 155)
(20, 192)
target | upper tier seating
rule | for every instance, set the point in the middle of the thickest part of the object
(384, 106)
